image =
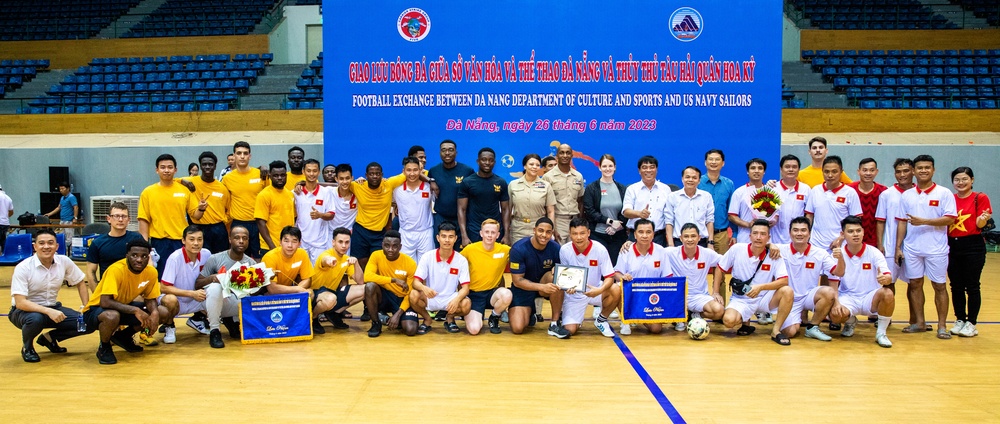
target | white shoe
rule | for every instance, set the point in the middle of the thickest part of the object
(764, 318)
(695, 315)
(605, 328)
(597, 312)
(957, 328)
(614, 314)
(680, 326)
(883, 340)
(625, 329)
(199, 326)
(170, 336)
(969, 330)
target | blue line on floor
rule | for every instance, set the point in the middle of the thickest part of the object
(650, 384)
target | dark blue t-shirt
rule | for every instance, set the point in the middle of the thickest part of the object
(530, 262)
(448, 181)
(106, 250)
(485, 195)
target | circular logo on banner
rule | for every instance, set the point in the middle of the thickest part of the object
(414, 24)
(654, 299)
(507, 161)
(276, 317)
(685, 24)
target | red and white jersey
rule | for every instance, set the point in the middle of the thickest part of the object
(595, 258)
(741, 262)
(805, 267)
(345, 210)
(739, 206)
(829, 207)
(414, 207)
(651, 263)
(315, 232)
(442, 275)
(862, 270)
(793, 205)
(935, 202)
(887, 211)
(181, 271)
(694, 268)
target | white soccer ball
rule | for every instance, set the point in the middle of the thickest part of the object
(698, 329)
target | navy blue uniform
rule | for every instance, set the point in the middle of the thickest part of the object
(105, 250)
(484, 195)
(532, 264)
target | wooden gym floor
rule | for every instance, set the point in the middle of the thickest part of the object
(440, 377)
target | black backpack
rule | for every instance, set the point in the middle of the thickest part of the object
(26, 218)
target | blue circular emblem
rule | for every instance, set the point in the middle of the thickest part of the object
(654, 299)
(507, 161)
(686, 24)
(276, 317)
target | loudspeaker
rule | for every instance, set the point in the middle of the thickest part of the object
(57, 174)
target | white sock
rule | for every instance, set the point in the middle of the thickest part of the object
(883, 323)
(538, 305)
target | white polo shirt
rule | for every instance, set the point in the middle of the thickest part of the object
(935, 202)
(682, 209)
(793, 205)
(442, 275)
(887, 210)
(805, 267)
(345, 210)
(861, 270)
(639, 197)
(41, 285)
(739, 206)
(181, 271)
(315, 232)
(595, 258)
(6, 205)
(741, 262)
(652, 263)
(829, 207)
(694, 268)
(414, 207)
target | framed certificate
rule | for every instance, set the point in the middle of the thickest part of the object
(570, 277)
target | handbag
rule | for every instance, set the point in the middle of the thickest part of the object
(742, 287)
(26, 218)
(990, 224)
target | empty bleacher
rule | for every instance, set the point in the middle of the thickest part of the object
(871, 14)
(202, 17)
(26, 20)
(984, 9)
(308, 91)
(16, 72)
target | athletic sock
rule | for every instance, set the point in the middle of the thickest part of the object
(601, 318)
(808, 325)
(883, 323)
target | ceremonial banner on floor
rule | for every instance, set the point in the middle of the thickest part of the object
(654, 300)
(276, 319)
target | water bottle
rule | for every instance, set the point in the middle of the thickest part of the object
(72, 187)
(123, 190)
(81, 326)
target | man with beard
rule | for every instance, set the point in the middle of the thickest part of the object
(482, 196)
(218, 307)
(275, 207)
(567, 184)
(296, 164)
(209, 206)
(446, 177)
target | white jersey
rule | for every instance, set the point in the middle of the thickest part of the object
(740, 261)
(414, 207)
(805, 267)
(315, 232)
(595, 258)
(181, 271)
(652, 263)
(694, 268)
(793, 205)
(829, 207)
(740, 207)
(442, 275)
(862, 270)
(888, 209)
(935, 202)
(6, 206)
(345, 210)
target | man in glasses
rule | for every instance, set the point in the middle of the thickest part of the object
(109, 248)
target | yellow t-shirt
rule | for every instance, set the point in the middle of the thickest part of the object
(486, 268)
(217, 198)
(165, 209)
(330, 277)
(124, 286)
(374, 204)
(814, 176)
(277, 208)
(381, 271)
(288, 271)
(294, 179)
(243, 187)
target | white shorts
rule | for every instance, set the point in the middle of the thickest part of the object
(575, 305)
(859, 305)
(806, 302)
(697, 302)
(934, 267)
(440, 302)
(897, 272)
(747, 307)
(416, 243)
(184, 308)
(314, 251)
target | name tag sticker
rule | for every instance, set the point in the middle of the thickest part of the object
(297, 264)
(180, 195)
(254, 180)
(498, 255)
(400, 272)
(216, 194)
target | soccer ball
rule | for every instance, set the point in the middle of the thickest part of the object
(507, 161)
(698, 329)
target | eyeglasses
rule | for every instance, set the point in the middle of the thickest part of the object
(118, 216)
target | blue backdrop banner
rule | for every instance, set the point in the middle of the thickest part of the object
(274, 319)
(664, 78)
(654, 300)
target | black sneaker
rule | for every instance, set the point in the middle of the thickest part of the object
(52, 346)
(495, 324)
(365, 316)
(337, 320)
(215, 339)
(835, 327)
(531, 320)
(376, 329)
(558, 331)
(539, 318)
(163, 329)
(105, 355)
(317, 327)
(233, 327)
(123, 339)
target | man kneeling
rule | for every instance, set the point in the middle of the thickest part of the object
(601, 291)
(487, 262)
(332, 291)
(441, 282)
(389, 276)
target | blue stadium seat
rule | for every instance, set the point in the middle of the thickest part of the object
(988, 104)
(868, 104)
(290, 105)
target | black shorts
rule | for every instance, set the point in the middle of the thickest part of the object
(481, 300)
(91, 317)
(364, 242)
(523, 297)
(341, 294)
(410, 315)
(390, 302)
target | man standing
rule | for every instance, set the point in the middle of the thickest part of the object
(333, 293)
(414, 200)
(329, 173)
(794, 196)
(244, 183)
(868, 193)
(109, 248)
(296, 163)
(113, 303)
(68, 210)
(487, 263)
(601, 288)
(274, 208)
(389, 277)
(647, 199)
(531, 262)
(741, 211)
(446, 177)
(314, 209)
(567, 184)
(374, 197)
(6, 211)
(441, 283)
(805, 264)
(813, 175)
(218, 307)
(829, 203)
(721, 188)
(34, 290)
(482, 196)
(178, 279)
(163, 211)
(209, 206)
(690, 205)
(230, 160)
(863, 288)
(925, 212)
(885, 219)
(345, 209)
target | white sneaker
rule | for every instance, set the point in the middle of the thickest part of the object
(199, 326)
(816, 333)
(848, 330)
(680, 326)
(883, 340)
(969, 330)
(614, 314)
(625, 329)
(605, 328)
(764, 318)
(170, 336)
(597, 312)
(957, 328)
(695, 315)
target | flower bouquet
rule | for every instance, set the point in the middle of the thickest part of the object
(764, 203)
(245, 280)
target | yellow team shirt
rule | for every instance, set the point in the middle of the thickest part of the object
(165, 209)
(814, 176)
(486, 268)
(374, 204)
(330, 277)
(381, 271)
(294, 179)
(217, 196)
(288, 271)
(243, 188)
(277, 208)
(124, 286)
